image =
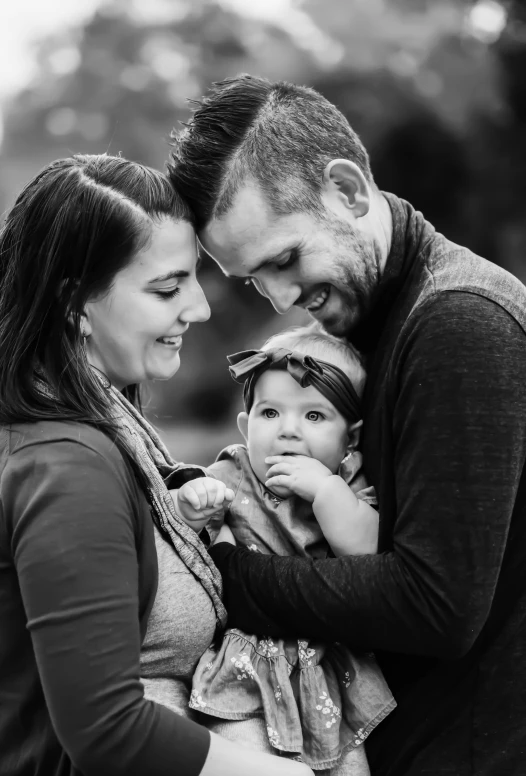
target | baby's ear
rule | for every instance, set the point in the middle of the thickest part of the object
(355, 430)
(242, 424)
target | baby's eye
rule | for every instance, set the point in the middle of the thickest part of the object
(314, 416)
(270, 414)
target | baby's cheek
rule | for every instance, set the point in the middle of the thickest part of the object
(332, 459)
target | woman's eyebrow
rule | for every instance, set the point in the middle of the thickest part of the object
(176, 273)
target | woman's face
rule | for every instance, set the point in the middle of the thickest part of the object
(134, 332)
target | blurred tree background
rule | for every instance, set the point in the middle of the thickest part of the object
(435, 88)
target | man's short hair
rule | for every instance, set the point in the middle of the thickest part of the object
(278, 134)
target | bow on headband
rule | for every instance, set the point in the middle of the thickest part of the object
(248, 365)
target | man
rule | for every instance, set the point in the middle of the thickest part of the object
(284, 196)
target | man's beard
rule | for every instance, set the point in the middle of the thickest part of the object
(356, 275)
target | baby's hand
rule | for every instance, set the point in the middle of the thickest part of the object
(298, 474)
(200, 500)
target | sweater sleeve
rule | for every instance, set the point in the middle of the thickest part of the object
(71, 505)
(459, 435)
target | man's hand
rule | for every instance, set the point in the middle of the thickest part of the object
(200, 500)
(297, 474)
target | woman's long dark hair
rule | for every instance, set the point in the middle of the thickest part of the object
(73, 227)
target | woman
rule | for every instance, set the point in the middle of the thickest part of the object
(97, 288)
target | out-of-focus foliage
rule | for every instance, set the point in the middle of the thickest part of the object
(436, 89)
(120, 85)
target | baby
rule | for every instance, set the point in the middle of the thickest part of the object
(296, 488)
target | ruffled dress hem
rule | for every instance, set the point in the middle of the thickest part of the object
(317, 701)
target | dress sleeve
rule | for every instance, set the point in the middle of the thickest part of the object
(459, 440)
(183, 473)
(70, 507)
(227, 468)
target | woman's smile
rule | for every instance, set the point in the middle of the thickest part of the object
(173, 342)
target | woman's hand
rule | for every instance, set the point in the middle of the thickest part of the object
(228, 759)
(200, 500)
(296, 473)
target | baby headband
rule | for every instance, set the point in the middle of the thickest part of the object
(248, 365)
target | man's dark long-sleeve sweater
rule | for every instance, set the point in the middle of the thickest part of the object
(444, 602)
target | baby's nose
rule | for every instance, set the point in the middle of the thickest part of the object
(289, 428)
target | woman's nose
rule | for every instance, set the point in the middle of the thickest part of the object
(197, 310)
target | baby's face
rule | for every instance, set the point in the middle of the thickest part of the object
(287, 419)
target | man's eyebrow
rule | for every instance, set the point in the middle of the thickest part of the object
(176, 273)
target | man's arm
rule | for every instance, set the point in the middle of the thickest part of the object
(459, 430)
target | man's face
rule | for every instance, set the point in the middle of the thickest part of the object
(329, 266)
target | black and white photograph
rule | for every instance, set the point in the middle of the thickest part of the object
(262, 388)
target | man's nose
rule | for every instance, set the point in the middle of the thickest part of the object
(280, 291)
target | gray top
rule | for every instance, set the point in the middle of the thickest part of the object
(180, 628)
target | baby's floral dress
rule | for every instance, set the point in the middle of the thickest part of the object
(317, 700)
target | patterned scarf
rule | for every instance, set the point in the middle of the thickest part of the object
(156, 463)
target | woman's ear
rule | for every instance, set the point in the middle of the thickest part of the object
(85, 326)
(242, 424)
(354, 432)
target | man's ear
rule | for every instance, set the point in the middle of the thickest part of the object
(354, 432)
(345, 184)
(242, 424)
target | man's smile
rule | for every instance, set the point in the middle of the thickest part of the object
(317, 300)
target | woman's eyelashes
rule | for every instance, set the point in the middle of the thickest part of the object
(168, 293)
